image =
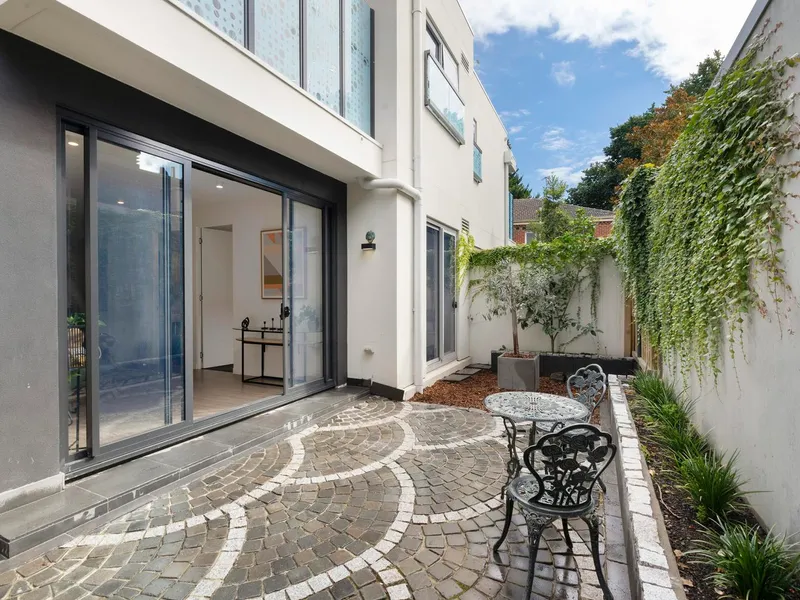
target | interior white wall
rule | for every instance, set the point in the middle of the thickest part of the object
(486, 335)
(216, 285)
(752, 406)
(249, 214)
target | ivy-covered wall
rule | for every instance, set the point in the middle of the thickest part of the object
(731, 250)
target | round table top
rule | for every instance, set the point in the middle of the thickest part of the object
(535, 406)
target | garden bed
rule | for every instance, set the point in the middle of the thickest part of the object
(680, 520)
(471, 392)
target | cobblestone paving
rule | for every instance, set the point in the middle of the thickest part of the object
(387, 499)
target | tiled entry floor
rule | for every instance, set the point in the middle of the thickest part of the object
(385, 499)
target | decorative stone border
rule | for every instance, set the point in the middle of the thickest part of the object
(653, 572)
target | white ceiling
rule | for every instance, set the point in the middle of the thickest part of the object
(205, 190)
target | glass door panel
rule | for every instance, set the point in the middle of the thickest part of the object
(304, 295)
(449, 296)
(433, 283)
(140, 292)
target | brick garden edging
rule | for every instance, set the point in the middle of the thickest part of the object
(653, 572)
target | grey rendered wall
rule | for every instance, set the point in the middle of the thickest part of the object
(754, 406)
(29, 407)
(34, 82)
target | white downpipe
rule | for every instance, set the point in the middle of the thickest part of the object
(415, 192)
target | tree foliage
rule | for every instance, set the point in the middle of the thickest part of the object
(715, 214)
(598, 186)
(536, 282)
(516, 186)
(656, 137)
(643, 138)
(699, 82)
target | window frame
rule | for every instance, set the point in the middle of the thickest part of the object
(443, 357)
(438, 56)
(529, 236)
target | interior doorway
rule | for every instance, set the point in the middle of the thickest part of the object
(236, 226)
(216, 298)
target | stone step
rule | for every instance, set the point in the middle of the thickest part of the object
(88, 498)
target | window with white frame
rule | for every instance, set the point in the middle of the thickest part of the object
(529, 236)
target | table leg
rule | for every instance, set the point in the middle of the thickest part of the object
(532, 434)
(513, 466)
(242, 357)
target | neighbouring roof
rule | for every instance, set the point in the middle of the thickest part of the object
(527, 209)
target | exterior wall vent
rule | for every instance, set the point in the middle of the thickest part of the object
(465, 62)
(464, 225)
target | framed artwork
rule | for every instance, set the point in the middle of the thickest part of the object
(272, 264)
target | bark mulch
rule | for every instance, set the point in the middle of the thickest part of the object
(679, 515)
(471, 392)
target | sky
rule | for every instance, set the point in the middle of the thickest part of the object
(561, 72)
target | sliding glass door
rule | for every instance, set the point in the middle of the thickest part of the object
(305, 297)
(441, 295)
(125, 313)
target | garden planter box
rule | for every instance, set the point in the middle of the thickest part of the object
(518, 373)
(495, 355)
(569, 363)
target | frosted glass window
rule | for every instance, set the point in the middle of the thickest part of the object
(277, 35)
(358, 83)
(323, 46)
(225, 15)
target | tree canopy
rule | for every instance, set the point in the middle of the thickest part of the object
(517, 188)
(645, 138)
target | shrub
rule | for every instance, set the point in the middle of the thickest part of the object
(654, 390)
(682, 441)
(713, 484)
(749, 566)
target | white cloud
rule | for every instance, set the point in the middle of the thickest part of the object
(515, 129)
(563, 74)
(515, 114)
(568, 174)
(554, 140)
(671, 36)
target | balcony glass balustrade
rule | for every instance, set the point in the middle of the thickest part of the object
(323, 46)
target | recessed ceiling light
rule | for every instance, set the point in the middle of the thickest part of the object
(120, 201)
(73, 144)
(219, 186)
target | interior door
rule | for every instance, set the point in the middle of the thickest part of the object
(216, 293)
(304, 290)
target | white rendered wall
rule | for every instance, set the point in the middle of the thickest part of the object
(249, 216)
(753, 408)
(486, 335)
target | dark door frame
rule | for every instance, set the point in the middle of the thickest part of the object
(102, 457)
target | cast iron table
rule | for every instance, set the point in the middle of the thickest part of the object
(533, 407)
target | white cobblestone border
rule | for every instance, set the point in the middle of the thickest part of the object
(652, 576)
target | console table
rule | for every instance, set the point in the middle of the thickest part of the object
(263, 342)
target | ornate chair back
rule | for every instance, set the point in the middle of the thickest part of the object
(572, 460)
(588, 386)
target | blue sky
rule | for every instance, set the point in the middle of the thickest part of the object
(561, 72)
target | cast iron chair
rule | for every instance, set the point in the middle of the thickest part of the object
(588, 386)
(572, 460)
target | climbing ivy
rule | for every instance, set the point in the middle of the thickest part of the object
(715, 214)
(576, 249)
(631, 239)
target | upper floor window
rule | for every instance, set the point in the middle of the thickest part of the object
(442, 55)
(323, 46)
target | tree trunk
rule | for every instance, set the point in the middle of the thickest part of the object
(515, 332)
(553, 343)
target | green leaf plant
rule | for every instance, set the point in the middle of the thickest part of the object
(698, 240)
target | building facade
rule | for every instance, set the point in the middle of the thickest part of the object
(215, 208)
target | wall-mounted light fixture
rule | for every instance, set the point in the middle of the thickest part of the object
(370, 245)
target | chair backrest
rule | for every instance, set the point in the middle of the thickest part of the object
(572, 460)
(588, 386)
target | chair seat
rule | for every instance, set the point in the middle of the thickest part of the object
(524, 489)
